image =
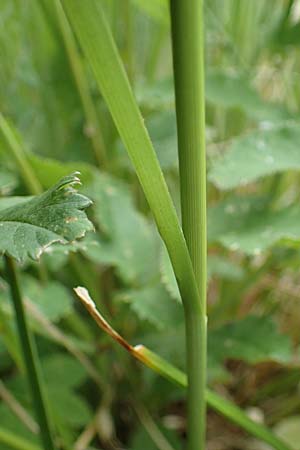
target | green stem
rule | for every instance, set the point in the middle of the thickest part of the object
(188, 59)
(92, 126)
(30, 356)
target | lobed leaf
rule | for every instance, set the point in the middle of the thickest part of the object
(57, 215)
(247, 225)
(41, 295)
(217, 266)
(222, 89)
(234, 340)
(260, 153)
(128, 241)
(253, 339)
(234, 91)
(153, 304)
(49, 170)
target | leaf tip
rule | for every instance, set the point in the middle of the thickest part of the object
(84, 296)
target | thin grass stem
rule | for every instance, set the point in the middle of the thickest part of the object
(188, 61)
(30, 357)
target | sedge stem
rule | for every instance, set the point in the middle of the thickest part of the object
(188, 61)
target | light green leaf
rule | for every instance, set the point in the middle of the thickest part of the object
(63, 370)
(8, 202)
(234, 91)
(51, 298)
(222, 89)
(156, 9)
(253, 339)
(8, 181)
(48, 171)
(156, 96)
(55, 216)
(221, 267)
(108, 194)
(246, 224)
(153, 304)
(258, 154)
(216, 266)
(130, 243)
(235, 340)
(57, 255)
(162, 130)
(68, 408)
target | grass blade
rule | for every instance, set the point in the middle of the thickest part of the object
(89, 23)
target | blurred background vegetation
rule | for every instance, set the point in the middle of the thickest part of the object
(60, 124)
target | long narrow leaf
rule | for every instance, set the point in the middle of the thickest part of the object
(89, 23)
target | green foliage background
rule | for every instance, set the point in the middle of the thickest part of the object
(60, 124)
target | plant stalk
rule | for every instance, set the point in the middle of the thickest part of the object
(188, 61)
(30, 356)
